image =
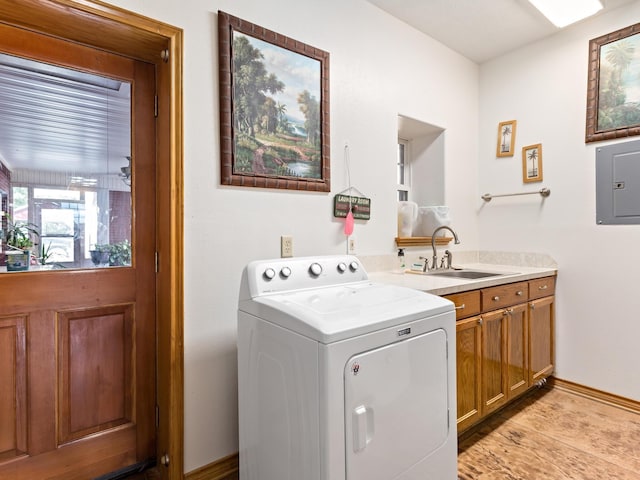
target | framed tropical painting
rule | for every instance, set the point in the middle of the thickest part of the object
(532, 163)
(613, 94)
(274, 109)
(506, 139)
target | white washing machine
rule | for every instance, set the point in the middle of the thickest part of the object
(341, 378)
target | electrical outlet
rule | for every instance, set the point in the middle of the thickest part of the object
(352, 245)
(286, 246)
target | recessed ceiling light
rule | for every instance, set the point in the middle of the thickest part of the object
(565, 12)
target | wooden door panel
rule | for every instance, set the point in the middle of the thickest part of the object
(77, 460)
(517, 351)
(96, 389)
(494, 379)
(91, 288)
(13, 412)
(469, 403)
(541, 338)
(41, 381)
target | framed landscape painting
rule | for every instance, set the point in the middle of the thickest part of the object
(274, 109)
(613, 93)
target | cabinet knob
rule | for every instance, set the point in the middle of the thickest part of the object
(480, 321)
(532, 305)
(543, 287)
(496, 298)
(519, 293)
(460, 307)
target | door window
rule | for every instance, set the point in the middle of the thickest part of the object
(65, 166)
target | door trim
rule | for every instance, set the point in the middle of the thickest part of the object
(106, 27)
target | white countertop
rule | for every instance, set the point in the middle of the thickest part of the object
(439, 285)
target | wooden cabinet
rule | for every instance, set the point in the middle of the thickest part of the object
(542, 287)
(468, 379)
(517, 368)
(493, 361)
(504, 342)
(504, 295)
(467, 303)
(541, 338)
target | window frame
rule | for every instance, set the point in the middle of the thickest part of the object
(403, 169)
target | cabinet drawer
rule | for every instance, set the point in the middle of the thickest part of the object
(504, 295)
(542, 287)
(467, 303)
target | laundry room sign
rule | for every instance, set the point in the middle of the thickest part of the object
(360, 206)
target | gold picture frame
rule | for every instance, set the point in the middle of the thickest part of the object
(532, 163)
(506, 139)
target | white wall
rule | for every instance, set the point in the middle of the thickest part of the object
(543, 87)
(428, 165)
(379, 68)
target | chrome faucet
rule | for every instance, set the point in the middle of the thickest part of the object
(433, 245)
(425, 267)
(448, 257)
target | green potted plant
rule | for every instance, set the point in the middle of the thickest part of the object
(20, 238)
(45, 254)
(100, 254)
(120, 254)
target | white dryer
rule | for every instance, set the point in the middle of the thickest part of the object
(341, 378)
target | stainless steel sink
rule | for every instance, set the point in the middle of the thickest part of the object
(467, 274)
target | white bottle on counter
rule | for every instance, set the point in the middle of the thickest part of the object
(401, 264)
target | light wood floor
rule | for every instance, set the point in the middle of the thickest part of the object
(550, 434)
(554, 435)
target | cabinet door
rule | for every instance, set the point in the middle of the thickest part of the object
(517, 351)
(541, 338)
(494, 360)
(468, 351)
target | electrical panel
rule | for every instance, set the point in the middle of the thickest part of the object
(618, 184)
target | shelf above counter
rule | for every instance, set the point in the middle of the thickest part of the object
(421, 241)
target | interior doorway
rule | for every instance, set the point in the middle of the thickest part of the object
(104, 28)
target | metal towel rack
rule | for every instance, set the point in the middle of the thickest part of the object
(544, 192)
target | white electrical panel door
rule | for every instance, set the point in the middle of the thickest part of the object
(396, 406)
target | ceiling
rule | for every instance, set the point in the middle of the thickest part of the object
(60, 120)
(478, 29)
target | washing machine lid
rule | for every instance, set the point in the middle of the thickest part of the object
(339, 312)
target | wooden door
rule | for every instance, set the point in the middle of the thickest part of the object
(77, 347)
(468, 351)
(541, 338)
(517, 351)
(494, 360)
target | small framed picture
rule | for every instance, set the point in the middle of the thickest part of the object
(532, 163)
(506, 139)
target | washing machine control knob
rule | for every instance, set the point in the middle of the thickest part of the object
(285, 272)
(269, 273)
(342, 267)
(315, 269)
(354, 266)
